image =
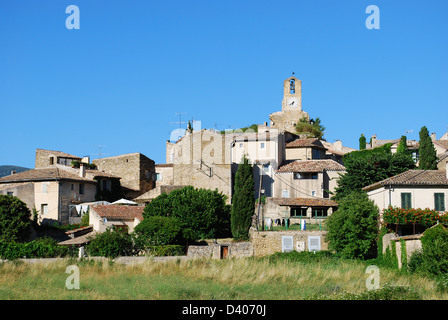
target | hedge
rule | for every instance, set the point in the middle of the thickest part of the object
(40, 248)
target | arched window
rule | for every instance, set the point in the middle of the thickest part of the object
(292, 86)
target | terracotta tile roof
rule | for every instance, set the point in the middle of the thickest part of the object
(306, 202)
(305, 143)
(413, 178)
(119, 211)
(311, 166)
(44, 174)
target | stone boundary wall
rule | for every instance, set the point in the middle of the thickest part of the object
(269, 242)
(214, 250)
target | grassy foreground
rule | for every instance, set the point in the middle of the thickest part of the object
(245, 278)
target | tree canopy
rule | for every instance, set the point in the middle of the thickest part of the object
(313, 128)
(202, 211)
(14, 218)
(369, 166)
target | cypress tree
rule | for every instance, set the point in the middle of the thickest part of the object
(427, 152)
(243, 202)
(403, 145)
(362, 142)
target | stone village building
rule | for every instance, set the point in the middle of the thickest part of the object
(300, 170)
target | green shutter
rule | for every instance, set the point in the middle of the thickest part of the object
(406, 200)
(439, 201)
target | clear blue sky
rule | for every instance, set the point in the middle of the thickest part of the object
(121, 78)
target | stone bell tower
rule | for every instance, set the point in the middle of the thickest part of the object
(292, 112)
(292, 94)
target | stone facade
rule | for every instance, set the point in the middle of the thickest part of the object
(199, 160)
(135, 170)
(45, 158)
(222, 250)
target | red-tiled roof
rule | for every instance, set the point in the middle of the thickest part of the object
(44, 174)
(305, 143)
(413, 178)
(311, 166)
(119, 211)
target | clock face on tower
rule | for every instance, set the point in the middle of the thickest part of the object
(292, 102)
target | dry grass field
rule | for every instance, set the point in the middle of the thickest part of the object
(229, 279)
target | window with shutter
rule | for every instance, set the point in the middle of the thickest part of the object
(406, 200)
(439, 201)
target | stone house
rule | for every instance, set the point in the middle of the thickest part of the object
(50, 191)
(102, 217)
(54, 188)
(136, 171)
(412, 189)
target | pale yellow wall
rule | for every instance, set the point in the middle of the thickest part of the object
(420, 197)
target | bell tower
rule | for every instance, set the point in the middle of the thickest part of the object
(292, 94)
(292, 113)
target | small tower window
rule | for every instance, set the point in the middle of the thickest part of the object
(292, 86)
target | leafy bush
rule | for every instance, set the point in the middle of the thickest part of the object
(159, 230)
(111, 244)
(39, 248)
(432, 260)
(167, 250)
(202, 211)
(353, 228)
(14, 218)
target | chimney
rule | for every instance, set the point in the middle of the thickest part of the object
(433, 136)
(82, 170)
(86, 159)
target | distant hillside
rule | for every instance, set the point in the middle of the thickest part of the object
(6, 170)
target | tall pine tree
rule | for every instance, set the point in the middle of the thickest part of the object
(427, 152)
(243, 202)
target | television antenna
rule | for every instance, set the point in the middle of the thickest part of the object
(100, 154)
(180, 122)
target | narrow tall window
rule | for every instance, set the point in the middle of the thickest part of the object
(439, 201)
(292, 86)
(406, 202)
(44, 209)
(81, 188)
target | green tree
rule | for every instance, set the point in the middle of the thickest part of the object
(403, 145)
(369, 166)
(362, 142)
(243, 204)
(427, 152)
(159, 230)
(313, 128)
(353, 228)
(14, 218)
(203, 212)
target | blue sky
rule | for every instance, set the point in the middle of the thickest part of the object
(119, 80)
